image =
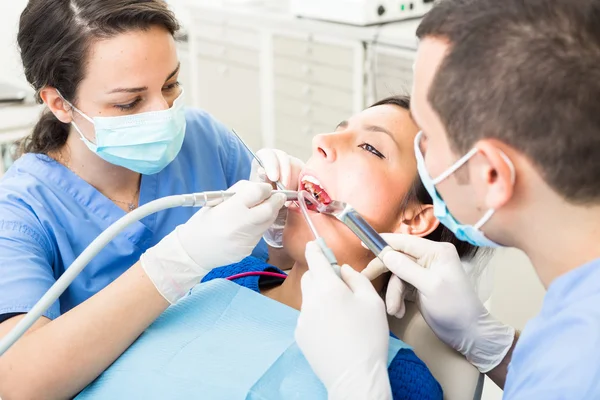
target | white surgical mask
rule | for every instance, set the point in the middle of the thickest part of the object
(466, 233)
(145, 143)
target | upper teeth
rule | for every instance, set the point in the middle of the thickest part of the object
(311, 179)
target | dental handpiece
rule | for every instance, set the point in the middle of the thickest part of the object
(217, 197)
(346, 214)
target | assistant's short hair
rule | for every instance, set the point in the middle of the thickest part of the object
(526, 72)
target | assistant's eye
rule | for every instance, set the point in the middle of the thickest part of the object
(130, 106)
(372, 150)
(171, 86)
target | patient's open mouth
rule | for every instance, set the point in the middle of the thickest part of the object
(313, 186)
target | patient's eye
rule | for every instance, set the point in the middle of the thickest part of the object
(372, 150)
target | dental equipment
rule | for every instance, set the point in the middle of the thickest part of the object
(346, 214)
(184, 200)
(360, 12)
(302, 197)
(278, 183)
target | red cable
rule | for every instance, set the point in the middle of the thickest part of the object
(256, 273)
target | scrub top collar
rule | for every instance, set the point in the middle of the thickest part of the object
(572, 287)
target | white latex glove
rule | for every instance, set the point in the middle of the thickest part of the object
(343, 331)
(278, 166)
(213, 237)
(445, 297)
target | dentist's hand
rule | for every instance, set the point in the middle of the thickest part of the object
(445, 297)
(278, 166)
(343, 331)
(213, 237)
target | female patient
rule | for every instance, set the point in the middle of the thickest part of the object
(225, 341)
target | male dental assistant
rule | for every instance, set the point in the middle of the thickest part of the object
(507, 96)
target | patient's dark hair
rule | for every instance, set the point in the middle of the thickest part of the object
(418, 194)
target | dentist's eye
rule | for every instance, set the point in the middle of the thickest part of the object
(128, 107)
(171, 86)
(372, 150)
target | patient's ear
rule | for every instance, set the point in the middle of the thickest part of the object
(418, 220)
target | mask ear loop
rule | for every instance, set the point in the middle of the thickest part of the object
(513, 176)
(91, 121)
(455, 166)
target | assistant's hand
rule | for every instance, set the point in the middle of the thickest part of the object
(278, 166)
(445, 297)
(213, 237)
(343, 330)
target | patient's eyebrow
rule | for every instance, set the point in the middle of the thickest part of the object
(376, 128)
(343, 125)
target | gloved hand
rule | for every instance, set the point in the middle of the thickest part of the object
(213, 237)
(278, 166)
(343, 331)
(445, 297)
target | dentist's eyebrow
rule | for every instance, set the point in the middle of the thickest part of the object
(129, 90)
(172, 74)
(143, 88)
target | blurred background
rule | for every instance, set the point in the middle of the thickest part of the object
(280, 71)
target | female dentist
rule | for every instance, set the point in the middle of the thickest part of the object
(506, 94)
(115, 136)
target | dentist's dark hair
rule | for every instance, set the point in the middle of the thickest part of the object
(54, 39)
(417, 194)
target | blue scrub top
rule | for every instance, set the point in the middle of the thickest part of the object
(49, 215)
(558, 354)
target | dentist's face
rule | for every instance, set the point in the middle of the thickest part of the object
(368, 162)
(459, 197)
(130, 73)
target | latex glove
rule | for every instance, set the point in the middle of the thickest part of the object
(278, 166)
(213, 237)
(343, 330)
(445, 297)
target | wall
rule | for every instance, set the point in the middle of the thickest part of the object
(10, 65)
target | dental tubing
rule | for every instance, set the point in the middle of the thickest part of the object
(61, 284)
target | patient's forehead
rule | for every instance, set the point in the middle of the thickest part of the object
(393, 118)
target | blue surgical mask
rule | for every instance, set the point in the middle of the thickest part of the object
(466, 233)
(145, 143)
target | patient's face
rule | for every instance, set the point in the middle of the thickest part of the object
(367, 162)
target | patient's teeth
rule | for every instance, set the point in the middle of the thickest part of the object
(311, 179)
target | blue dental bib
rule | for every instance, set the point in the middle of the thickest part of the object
(223, 342)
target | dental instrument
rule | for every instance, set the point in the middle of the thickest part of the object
(278, 183)
(200, 199)
(346, 214)
(302, 197)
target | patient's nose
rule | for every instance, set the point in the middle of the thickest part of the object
(324, 146)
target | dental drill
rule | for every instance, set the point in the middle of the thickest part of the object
(184, 200)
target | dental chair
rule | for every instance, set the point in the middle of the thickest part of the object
(459, 379)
